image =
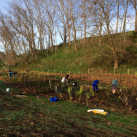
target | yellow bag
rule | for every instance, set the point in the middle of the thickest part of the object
(102, 113)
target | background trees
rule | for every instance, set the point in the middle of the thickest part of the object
(32, 25)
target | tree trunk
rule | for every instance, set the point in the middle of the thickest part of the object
(117, 16)
(75, 40)
(52, 44)
(125, 16)
(115, 63)
(85, 26)
(68, 27)
(64, 41)
(136, 22)
(26, 62)
(100, 28)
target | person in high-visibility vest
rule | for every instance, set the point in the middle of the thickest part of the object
(114, 86)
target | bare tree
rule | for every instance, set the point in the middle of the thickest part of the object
(134, 3)
(117, 1)
(23, 24)
(62, 19)
(50, 19)
(125, 5)
(73, 16)
(8, 39)
(96, 11)
(63, 9)
(40, 18)
(84, 15)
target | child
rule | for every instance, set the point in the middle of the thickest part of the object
(114, 86)
(74, 85)
(95, 85)
(11, 73)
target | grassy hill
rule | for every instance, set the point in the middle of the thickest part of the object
(92, 57)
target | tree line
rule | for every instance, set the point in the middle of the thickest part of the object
(29, 25)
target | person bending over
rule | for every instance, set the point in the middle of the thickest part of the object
(95, 86)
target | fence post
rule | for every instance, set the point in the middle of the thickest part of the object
(56, 89)
(114, 70)
(128, 71)
(50, 83)
(21, 76)
(44, 78)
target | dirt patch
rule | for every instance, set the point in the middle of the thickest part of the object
(95, 102)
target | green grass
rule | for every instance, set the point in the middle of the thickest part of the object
(62, 117)
(66, 59)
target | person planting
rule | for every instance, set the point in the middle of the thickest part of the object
(11, 73)
(64, 79)
(114, 86)
(74, 85)
(95, 86)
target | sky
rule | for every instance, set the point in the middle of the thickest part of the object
(3, 4)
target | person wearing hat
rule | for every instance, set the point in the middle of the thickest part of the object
(114, 86)
(95, 86)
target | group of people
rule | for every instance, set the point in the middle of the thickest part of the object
(65, 79)
(94, 84)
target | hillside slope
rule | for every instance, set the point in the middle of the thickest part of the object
(92, 57)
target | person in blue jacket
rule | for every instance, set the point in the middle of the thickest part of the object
(11, 73)
(95, 85)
